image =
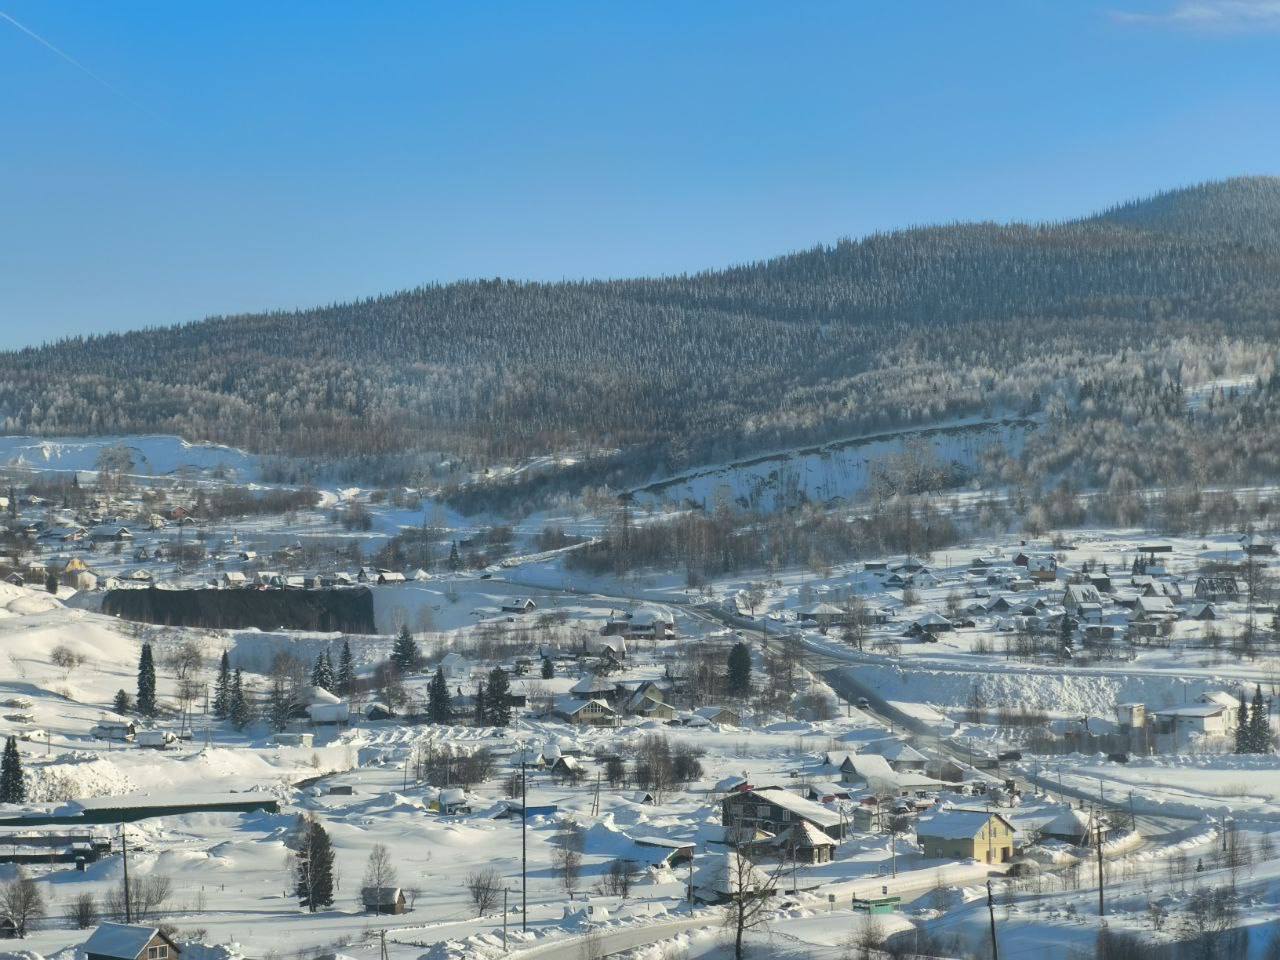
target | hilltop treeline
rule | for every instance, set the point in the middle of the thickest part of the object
(1098, 322)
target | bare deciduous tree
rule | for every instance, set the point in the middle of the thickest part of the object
(82, 911)
(484, 886)
(749, 891)
(21, 901)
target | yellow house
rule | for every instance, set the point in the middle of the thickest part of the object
(966, 835)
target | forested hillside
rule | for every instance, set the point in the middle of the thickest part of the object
(1099, 323)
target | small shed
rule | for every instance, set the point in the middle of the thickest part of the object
(382, 899)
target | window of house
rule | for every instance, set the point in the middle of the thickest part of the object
(157, 953)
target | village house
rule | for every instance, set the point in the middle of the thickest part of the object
(127, 941)
(1042, 567)
(650, 622)
(1217, 589)
(1082, 601)
(1213, 715)
(901, 756)
(591, 687)
(773, 809)
(966, 835)
(593, 713)
(1156, 609)
(519, 605)
(1077, 827)
(823, 614)
(801, 842)
(721, 715)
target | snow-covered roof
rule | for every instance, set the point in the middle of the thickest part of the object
(1219, 697)
(821, 610)
(1069, 823)
(710, 713)
(731, 875)
(896, 750)
(1192, 710)
(647, 616)
(955, 824)
(801, 807)
(568, 706)
(802, 834)
(591, 684)
(124, 940)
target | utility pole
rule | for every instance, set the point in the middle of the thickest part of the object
(524, 852)
(1102, 904)
(124, 849)
(991, 911)
(504, 919)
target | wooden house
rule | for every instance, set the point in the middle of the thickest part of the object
(129, 941)
(966, 835)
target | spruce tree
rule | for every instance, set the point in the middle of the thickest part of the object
(439, 703)
(238, 706)
(404, 652)
(455, 561)
(738, 681)
(1242, 726)
(481, 714)
(322, 673)
(346, 679)
(13, 789)
(222, 688)
(121, 703)
(1259, 724)
(51, 583)
(499, 698)
(279, 705)
(13, 503)
(548, 668)
(314, 866)
(146, 682)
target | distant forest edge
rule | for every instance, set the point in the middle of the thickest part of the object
(1097, 327)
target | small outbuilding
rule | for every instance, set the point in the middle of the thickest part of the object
(382, 899)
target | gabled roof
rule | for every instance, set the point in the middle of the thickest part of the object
(896, 750)
(380, 896)
(591, 685)
(1070, 823)
(1082, 593)
(125, 940)
(805, 809)
(1220, 697)
(571, 705)
(956, 824)
(803, 834)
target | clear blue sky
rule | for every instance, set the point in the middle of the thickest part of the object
(223, 157)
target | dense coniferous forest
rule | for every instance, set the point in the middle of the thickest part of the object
(1100, 325)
